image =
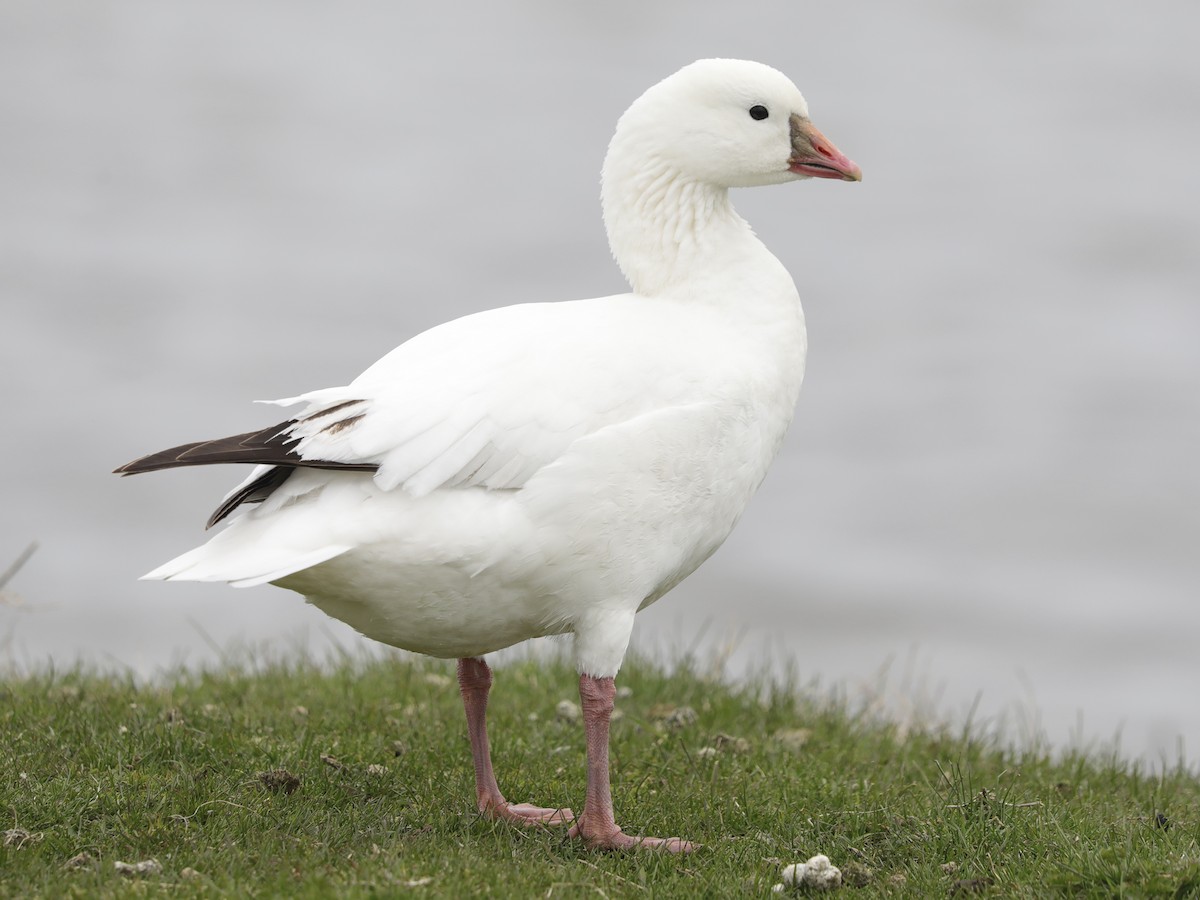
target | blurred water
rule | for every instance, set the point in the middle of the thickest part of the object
(991, 480)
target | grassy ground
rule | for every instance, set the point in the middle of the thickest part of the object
(357, 782)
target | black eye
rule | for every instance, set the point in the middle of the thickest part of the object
(758, 113)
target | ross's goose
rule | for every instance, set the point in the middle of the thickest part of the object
(552, 467)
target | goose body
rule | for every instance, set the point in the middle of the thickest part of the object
(553, 467)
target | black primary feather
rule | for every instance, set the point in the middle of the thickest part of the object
(256, 491)
(269, 446)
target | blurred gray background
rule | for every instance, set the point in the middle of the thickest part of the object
(990, 494)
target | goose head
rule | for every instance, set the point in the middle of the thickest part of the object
(729, 123)
(713, 125)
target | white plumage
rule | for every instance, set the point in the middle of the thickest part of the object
(555, 467)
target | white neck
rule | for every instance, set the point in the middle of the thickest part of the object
(666, 230)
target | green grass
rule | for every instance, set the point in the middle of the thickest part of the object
(101, 766)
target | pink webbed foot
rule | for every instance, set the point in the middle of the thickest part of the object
(614, 838)
(527, 814)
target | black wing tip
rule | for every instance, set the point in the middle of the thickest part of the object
(164, 459)
(274, 446)
(268, 445)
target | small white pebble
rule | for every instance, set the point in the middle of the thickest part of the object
(189, 874)
(707, 752)
(376, 769)
(568, 711)
(300, 710)
(817, 873)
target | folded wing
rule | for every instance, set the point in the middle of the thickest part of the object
(487, 401)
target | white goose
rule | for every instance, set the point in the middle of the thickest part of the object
(552, 467)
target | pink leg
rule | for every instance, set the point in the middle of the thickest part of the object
(596, 825)
(474, 683)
